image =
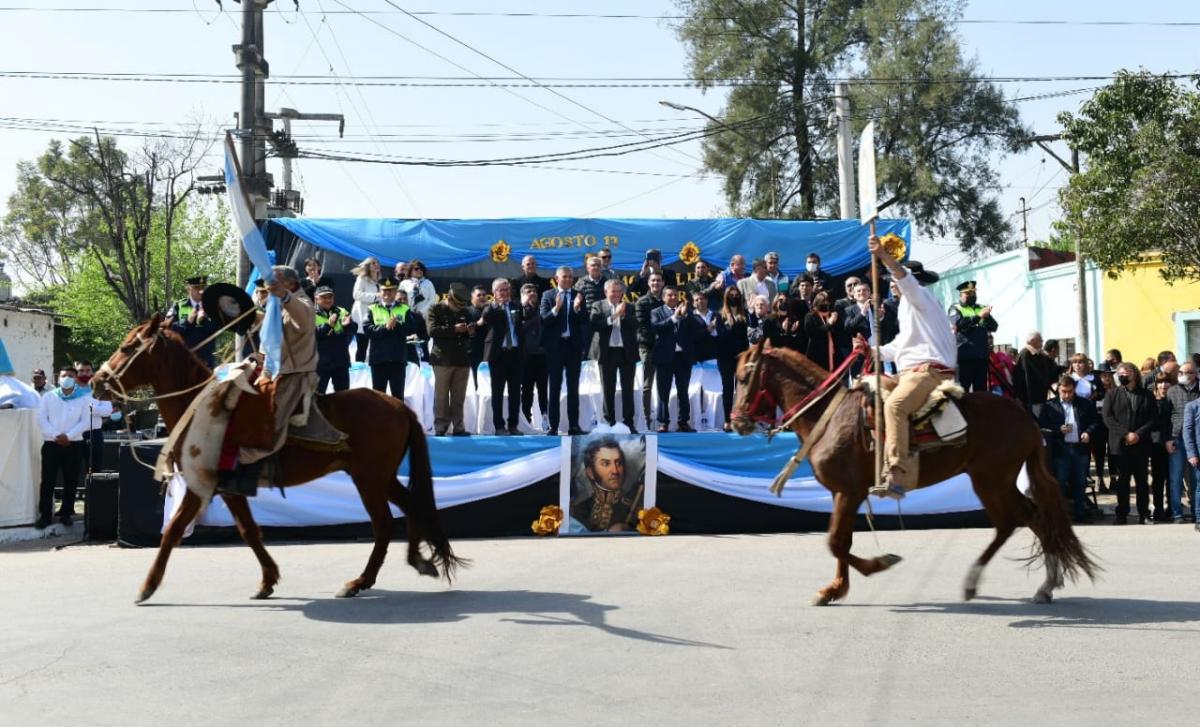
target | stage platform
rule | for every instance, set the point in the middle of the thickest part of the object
(488, 486)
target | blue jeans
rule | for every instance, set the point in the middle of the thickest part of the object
(1180, 471)
(1070, 469)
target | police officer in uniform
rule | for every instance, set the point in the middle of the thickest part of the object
(334, 331)
(388, 325)
(972, 324)
(187, 319)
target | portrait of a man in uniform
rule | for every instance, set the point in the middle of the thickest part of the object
(609, 482)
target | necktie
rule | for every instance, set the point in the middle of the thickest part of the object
(566, 309)
(510, 339)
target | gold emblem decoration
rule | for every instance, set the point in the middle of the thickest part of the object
(549, 519)
(895, 245)
(653, 522)
(500, 252)
(689, 253)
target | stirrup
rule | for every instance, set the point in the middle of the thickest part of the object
(894, 491)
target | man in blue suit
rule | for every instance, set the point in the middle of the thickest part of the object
(675, 334)
(1068, 424)
(564, 318)
(1191, 447)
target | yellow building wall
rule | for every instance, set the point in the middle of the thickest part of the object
(1138, 310)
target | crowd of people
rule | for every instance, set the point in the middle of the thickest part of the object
(535, 331)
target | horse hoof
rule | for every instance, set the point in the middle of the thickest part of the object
(968, 594)
(144, 595)
(347, 592)
(1043, 597)
(263, 594)
(889, 559)
(427, 568)
(822, 599)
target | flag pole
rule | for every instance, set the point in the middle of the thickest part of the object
(878, 363)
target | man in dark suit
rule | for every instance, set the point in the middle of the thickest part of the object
(614, 346)
(529, 276)
(502, 351)
(479, 303)
(533, 355)
(675, 334)
(563, 321)
(1068, 424)
(1129, 415)
(643, 308)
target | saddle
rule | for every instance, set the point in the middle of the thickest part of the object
(937, 423)
(252, 423)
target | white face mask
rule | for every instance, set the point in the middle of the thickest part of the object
(1185, 379)
(67, 383)
(812, 267)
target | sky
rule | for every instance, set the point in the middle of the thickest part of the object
(330, 43)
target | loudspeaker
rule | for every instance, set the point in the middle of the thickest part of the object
(100, 506)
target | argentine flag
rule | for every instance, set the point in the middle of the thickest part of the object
(271, 334)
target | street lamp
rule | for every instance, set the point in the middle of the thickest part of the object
(727, 127)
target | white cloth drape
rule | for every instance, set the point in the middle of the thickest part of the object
(20, 466)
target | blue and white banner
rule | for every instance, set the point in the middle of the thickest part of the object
(477, 468)
(271, 334)
(440, 244)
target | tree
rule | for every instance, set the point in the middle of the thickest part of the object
(98, 318)
(89, 201)
(937, 124)
(1139, 190)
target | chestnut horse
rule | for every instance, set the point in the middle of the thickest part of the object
(380, 429)
(1001, 437)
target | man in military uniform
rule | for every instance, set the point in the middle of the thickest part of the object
(972, 324)
(187, 318)
(607, 507)
(388, 328)
(334, 331)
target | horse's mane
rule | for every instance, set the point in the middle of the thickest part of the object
(800, 366)
(178, 357)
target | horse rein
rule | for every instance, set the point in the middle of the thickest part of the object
(777, 425)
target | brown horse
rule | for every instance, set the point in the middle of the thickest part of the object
(380, 429)
(1001, 438)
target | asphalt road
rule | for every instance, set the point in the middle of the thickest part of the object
(675, 630)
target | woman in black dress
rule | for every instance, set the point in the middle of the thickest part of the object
(732, 325)
(820, 325)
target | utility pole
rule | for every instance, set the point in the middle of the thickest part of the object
(288, 200)
(1024, 211)
(1072, 167)
(845, 150)
(253, 65)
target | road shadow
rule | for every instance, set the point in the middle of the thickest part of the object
(1078, 612)
(529, 608)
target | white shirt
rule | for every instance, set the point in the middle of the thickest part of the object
(1083, 387)
(763, 290)
(926, 335)
(1071, 437)
(614, 339)
(428, 294)
(17, 393)
(63, 417)
(366, 293)
(100, 410)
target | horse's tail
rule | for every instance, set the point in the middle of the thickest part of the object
(1049, 521)
(422, 514)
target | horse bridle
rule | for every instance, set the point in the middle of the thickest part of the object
(760, 396)
(144, 345)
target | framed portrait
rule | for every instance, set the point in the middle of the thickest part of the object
(606, 479)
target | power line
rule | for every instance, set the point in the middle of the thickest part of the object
(480, 81)
(609, 16)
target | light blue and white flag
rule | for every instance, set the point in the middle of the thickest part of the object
(271, 334)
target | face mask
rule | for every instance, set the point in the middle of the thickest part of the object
(812, 267)
(971, 300)
(1185, 379)
(67, 382)
(1123, 380)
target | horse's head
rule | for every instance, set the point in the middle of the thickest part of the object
(753, 399)
(131, 365)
